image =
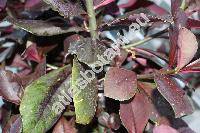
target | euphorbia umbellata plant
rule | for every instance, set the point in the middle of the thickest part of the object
(55, 76)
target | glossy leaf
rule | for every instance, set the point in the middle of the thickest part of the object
(174, 95)
(188, 46)
(120, 84)
(10, 86)
(42, 28)
(14, 125)
(84, 93)
(66, 8)
(164, 129)
(43, 100)
(64, 126)
(89, 51)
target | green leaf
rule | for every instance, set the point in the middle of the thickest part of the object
(42, 28)
(41, 106)
(84, 94)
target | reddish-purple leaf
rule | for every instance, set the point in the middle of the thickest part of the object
(42, 28)
(66, 8)
(2, 4)
(157, 10)
(191, 23)
(100, 3)
(18, 62)
(192, 67)
(173, 37)
(151, 53)
(64, 126)
(119, 59)
(128, 4)
(31, 53)
(175, 5)
(120, 84)
(135, 114)
(114, 121)
(14, 125)
(173, 94)
(188, 46)
(164, 129)
(10, 86)
(39, 71)
(32, 3)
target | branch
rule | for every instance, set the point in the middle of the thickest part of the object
(92, 19)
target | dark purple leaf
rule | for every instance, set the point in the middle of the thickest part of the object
(14, 125)
(10, 86)
(174, 95)
(42, 28)
(64, 126)
(89, 51)
(66, 8)
(188, 46)
(131, 17)
(120, 84)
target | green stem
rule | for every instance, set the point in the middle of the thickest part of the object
(137, 43)
(151, 75)
(92, 19)
(146, 39)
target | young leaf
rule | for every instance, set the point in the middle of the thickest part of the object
(43, 100)
(120, 84)
(42, 28)
(14, 125)
(174, 95)
(188, 46)
(84, 93)
(10, 86)
(66, 8)
(64, 126)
